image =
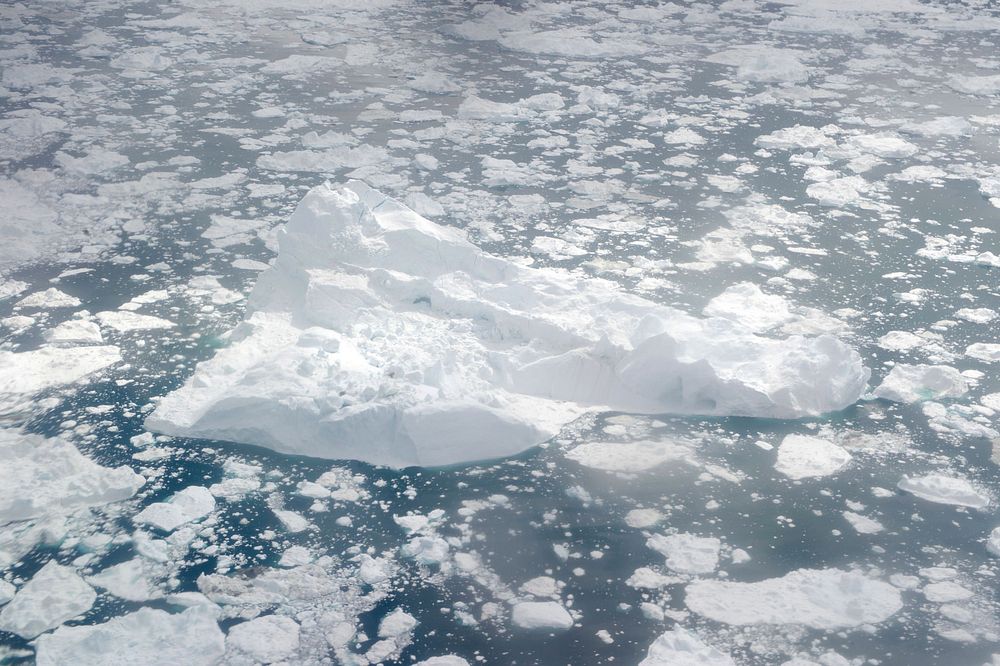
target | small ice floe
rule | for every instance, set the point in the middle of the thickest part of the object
(802, 456)
(943, 489)
(147, 636)
(680, 647)
(914, 383)
(185, 506)
(815, 598)
(55, 594)
(549, 615)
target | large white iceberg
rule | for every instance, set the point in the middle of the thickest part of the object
(380, 336)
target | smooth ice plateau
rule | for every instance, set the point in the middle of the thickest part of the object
(380, 336)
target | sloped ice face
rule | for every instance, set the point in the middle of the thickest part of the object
(380, 336)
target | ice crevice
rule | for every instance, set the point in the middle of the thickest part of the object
(380, 336)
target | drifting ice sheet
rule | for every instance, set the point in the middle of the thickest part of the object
(380, 336)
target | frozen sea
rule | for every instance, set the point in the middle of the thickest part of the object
(796, 168)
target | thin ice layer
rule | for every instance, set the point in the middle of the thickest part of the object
(380, 336)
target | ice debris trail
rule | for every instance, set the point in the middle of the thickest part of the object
(380, 336)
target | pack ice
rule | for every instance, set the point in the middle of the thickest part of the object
(380, 336)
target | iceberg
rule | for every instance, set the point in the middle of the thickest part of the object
(380, 336)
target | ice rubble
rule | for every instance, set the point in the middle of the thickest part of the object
(380, 336)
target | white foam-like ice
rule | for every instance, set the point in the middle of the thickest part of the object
(381, 336)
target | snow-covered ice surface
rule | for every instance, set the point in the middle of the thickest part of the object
(653, 248)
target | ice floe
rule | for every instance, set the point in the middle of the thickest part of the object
(816, 598)
(687, 553)
(49, 476)
(185, 506)
(148, 636)
(913, 383)
(943, 489)
(549, 615)
(55, 594)
(680, 647)
(801, 457)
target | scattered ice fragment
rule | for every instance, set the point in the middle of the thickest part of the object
(863, 524)
(640, 518)
(75, 332)
(30, 372)
(291, 521)
(984, 351)
(127, 580)
(50, 298)
(295, 556)
(993, 542)
(48, 476)
(629, 457)
(542, 586)
(946, 592)
(124, 321)
(396, 623)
